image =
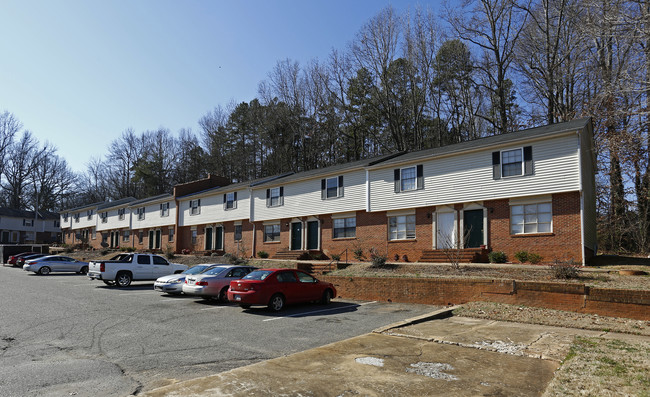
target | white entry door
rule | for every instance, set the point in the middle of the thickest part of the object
(446, 233)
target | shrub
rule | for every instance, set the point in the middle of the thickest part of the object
(565, 270)
(130, 249)
(358, 254)
(405, 258)
(185, 251)
(169, 252)
(396, 257)
(103, 252)
(522, 256)
(377, 259)
(534, 258)
(497, 257)
(234, 259)
(263, 254)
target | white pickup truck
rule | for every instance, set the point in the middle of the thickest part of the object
(121, 269)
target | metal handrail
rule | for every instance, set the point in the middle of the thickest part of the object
(329, 265)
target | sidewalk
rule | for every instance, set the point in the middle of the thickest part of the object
(430, 355)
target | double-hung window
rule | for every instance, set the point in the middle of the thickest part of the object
(76, 217)
(331, 187)
(531, 218)
(104, 216)
(164, 209)
(409, 178)
(195, 207)
(230, 201)
(89, 214)
(512, 162)
(401, 227)
(65, 217)
(126, 235)
(141, 212)
(171, 235)
(275, 197)
(238, 232)
(28, 222)
(345, 227)
(272, 232)
(120, 214)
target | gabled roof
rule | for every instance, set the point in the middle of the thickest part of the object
(160, 197)
(117, 203)
(491, 141)
(13, 213)
(84, 207)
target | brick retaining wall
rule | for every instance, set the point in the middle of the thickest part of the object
(560, 296)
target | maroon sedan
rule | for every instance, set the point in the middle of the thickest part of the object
(277, 287)
(14, 258)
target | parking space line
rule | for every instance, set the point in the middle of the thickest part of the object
(317, 311)
(214, 308)
(165, 300)
(135, 293)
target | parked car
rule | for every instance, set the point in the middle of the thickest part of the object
(55, 263)
(173, 283)
(121, 269)
(20, 262)
(276, 288)
(214, 283)
(14, 258)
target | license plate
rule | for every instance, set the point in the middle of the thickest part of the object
(237, 297)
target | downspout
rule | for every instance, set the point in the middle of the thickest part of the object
(582, 202)
(251, 219)
(176, 223)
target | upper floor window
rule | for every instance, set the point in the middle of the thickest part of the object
(531, 218)
(331, 187)
(195, 207)
(76, 218)
(57, 223)
(120, 213)
(230, 201)
(164, 209)
(409, 178)
(513, 162)
(89, 214)
(141, 212)
(28, 222)
(275, 197)
(104, 217)
(65, 217)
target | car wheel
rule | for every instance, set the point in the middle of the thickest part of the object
(245, 306)
(123, 279)
(109, 282)
(223, 295)
(327, 297)
(84, 270)
(276, 303)
(44, 270)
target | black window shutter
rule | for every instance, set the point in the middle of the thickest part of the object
(198, 203)
(340, 192)
(281, 195)
(396, 177)
(323, 189)
(528, 160)
(496, 165)
(234, 205)
(420, 175)
(225, 201)
(268, 197)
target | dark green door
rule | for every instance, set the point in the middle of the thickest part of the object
(296, 236)
(151, 240)
(473, 228)
(218, 237)
(158, 239)
(312, 235)
(208, 238)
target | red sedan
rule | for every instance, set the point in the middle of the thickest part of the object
(277, 287)
(14, 258)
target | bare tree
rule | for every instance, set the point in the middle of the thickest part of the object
(9, 127)
(21, 158)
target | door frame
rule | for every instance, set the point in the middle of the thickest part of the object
(445, 209)
(301, 236)
(318, 234)
(471, 207)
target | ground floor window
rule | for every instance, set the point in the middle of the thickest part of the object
(140, 236)
(531, 218)
(345, 227)
(194, 237)
(272, 232)
(401, 227)
(238, 232)
(171, 235)
(126, 235)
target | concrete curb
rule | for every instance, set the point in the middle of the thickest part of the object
(441, 313)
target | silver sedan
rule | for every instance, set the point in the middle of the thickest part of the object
(214, 283)
(55, 263)
(173, 283)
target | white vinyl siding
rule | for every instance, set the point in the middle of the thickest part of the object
(153, 216)
(469, 177)
(304, 198)
(113, 220)
(212, 207)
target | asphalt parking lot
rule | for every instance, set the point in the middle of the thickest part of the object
(63, 334)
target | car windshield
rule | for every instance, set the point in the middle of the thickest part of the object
(257, 275)
(214, 271)
(196, 269)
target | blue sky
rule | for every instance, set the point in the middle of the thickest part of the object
(77, 73)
